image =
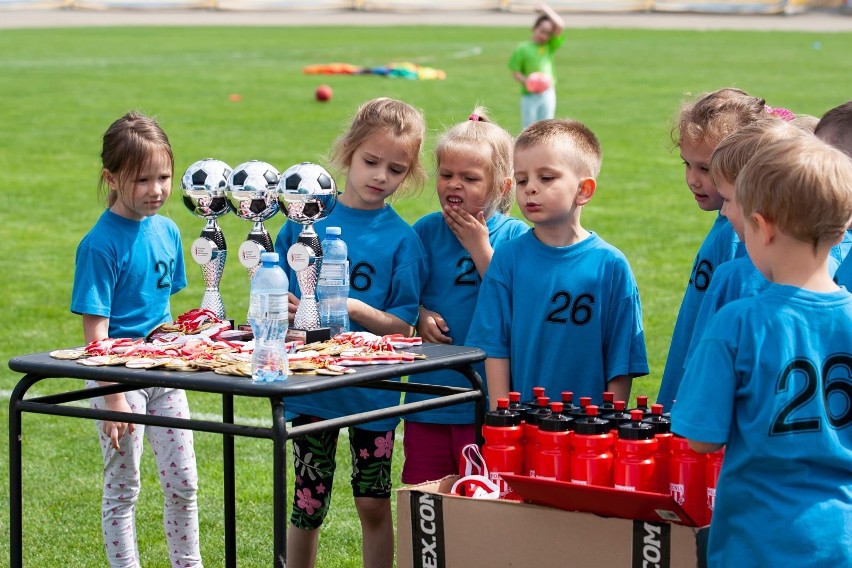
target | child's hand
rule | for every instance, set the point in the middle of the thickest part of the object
(432, 327)
(117, 430)
(472, 232)
(292, 306)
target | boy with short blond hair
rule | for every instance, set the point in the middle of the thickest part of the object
(769, 377)
(558, 306)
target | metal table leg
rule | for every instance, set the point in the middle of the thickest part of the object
(279, 483)
(229, 486)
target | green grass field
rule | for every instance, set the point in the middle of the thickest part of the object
(62, 88)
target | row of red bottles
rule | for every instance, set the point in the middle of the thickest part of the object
(641, 454)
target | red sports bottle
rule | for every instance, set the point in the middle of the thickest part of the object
(616, 418)
(580, 411)
(608, 404)
(537, 392)
(635, 468)
(568, 403)
(591, 450)
(711, 472)
(502, 450)
(516, 404)
(662, 428)
(530, 427)
(553, 458)
(687, 480)
(642, 404)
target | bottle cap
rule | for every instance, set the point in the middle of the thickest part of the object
(502, 416)
(636, 429)
(269, 257)
(661, 424)
(591, 423)
(542, 408)
(555, 422)
(332, 231)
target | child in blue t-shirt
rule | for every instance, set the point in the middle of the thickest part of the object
(380, 153)
(769, 379)
(737, 278)
(559, 306)
(127, 267)
(474, 186)
(700, 126)
(835, 128)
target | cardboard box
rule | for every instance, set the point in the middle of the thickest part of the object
(437, 530)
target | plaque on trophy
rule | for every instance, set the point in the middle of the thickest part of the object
(204, 186)
(307, 193)
(252, 193)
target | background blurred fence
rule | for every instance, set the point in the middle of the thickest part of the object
(704, 6)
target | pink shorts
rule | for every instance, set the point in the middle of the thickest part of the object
(432, 451)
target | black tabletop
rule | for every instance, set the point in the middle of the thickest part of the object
(438, 356)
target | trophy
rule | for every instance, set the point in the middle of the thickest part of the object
(203, 187)
(252, 194)
(307, 193)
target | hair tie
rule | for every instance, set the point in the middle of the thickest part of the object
(474, 117)
(780, 112)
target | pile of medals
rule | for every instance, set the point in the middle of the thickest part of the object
(199, 341)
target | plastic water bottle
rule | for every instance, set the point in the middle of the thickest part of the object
(333, 283)
(267, 315)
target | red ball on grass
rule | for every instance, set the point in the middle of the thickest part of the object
(323, 93)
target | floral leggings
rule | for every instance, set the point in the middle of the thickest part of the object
(314, 458)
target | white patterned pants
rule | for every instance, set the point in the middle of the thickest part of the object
(175, 456)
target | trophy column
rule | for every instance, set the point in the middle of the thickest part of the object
(204, 186)
(253, 196)
(307, 193)
(210, 251)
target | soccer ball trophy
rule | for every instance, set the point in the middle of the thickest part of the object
(252, 194)
(203, 186)
(307, 193)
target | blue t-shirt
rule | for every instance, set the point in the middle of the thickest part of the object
(738, 278)
(387, 267)
(451, 290)
(126, 270)
(841, 251)
(770, 378)
(720, 245)
(843, 276)
(568, 318)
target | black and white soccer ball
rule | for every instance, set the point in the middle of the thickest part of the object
(204, 186)
(307, 193)
(252, 190)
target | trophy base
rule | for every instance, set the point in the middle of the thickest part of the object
(308, 335)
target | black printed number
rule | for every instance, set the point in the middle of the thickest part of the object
(468, 274)
(702, 272)
(580, 309)
(838, 386)
(832, 387)
(361, 278)
(165, 270)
